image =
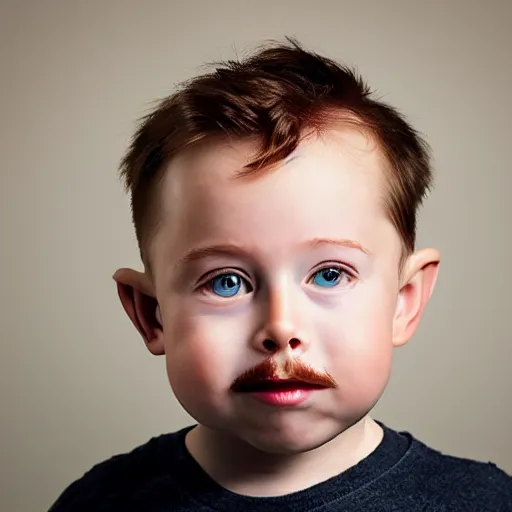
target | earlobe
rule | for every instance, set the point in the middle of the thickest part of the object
(138, 300)
(420, 275)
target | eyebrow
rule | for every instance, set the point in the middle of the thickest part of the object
(237, 251)
(213, 250)
(352, 244)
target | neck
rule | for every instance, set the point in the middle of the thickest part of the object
(243, 469)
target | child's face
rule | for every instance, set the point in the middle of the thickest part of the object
(276, 235)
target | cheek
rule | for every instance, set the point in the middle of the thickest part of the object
(361, 354)
(202, 355)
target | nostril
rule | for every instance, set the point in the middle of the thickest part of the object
(294, 343)
(270, 345)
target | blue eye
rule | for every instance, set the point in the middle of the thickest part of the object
(226, 285)
(328, 277)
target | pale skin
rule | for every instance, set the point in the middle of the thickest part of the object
(276, 234)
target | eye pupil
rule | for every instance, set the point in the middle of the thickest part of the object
(331, 275)
(229, 281)
(226, 285)
(327, 277)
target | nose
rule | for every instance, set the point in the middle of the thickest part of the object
(281, 325)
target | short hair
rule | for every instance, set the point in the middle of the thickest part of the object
(277, 94)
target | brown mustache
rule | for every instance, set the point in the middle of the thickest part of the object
(296, 370)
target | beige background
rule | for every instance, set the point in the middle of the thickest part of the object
(76, 383)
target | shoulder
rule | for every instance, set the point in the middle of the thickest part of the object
(454, 483)
(112, 480)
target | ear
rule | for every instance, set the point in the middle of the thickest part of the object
(419, 278)
(137, 296)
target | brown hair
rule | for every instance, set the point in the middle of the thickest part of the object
(278, 94)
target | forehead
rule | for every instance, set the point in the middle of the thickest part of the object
(331, 186)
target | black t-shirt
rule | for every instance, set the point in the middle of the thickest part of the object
(402, 474)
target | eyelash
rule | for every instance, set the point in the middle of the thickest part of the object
(342, 269)
(209, 277)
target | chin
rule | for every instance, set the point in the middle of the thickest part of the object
(290, 440)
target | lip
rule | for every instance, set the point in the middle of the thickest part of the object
(281, 392)
(288, 397)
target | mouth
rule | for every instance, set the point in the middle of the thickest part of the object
(278, 383)
(279, 392)
(276, 386)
